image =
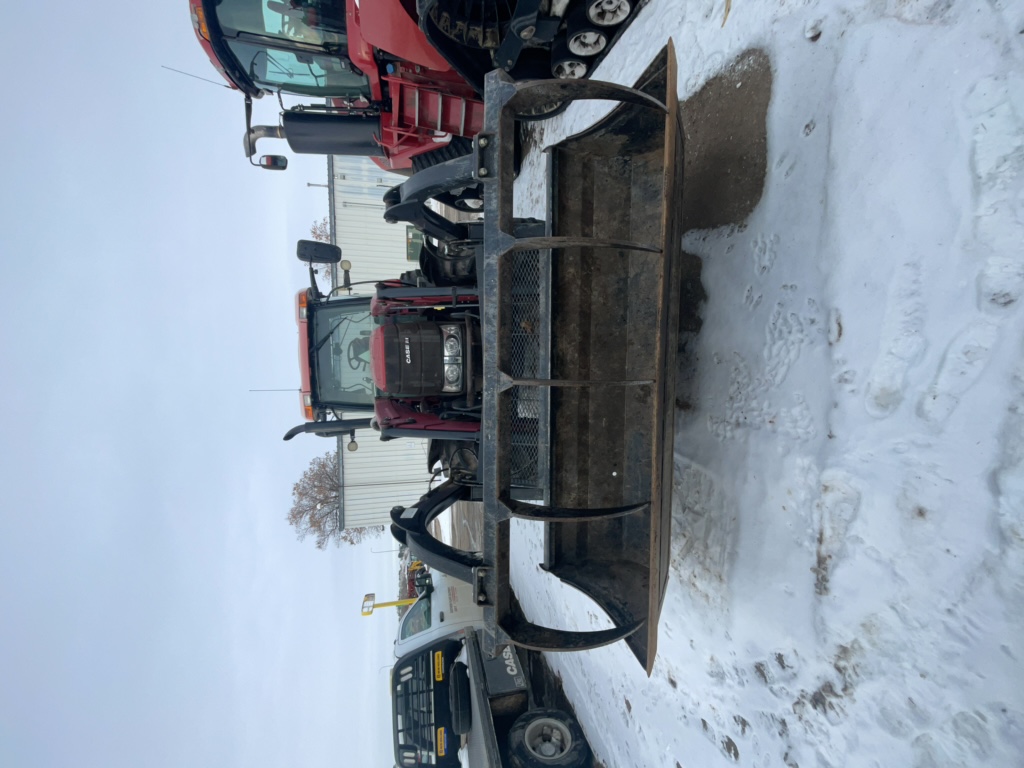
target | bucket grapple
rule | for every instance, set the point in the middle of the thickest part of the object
(580, 331)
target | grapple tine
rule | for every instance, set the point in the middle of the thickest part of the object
(537, 638)
(528, 511)
(536, 93)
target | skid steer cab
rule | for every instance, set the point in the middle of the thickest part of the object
(448, 698)
(402, 358)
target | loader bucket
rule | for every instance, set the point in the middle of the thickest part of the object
(579, 388)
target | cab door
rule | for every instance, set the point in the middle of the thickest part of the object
(446, 606)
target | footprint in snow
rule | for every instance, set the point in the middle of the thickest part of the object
(1009, 475)
(765, 252)
(961, 366)
(1001, 283)
(835, 510)
(997, 164)
(902, 343)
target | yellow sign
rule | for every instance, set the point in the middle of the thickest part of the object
(438, 666)
(441, 742)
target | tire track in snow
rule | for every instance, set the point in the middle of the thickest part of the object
(703, 537)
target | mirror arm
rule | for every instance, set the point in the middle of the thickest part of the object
(312, 284)
(255, 133)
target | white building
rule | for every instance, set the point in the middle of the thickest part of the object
(377, 250)
(378, 475)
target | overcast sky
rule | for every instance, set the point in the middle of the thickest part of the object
(155, 607)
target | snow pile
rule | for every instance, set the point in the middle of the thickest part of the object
(848, 541)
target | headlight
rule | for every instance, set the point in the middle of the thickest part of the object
(452, 345)
(452, 339)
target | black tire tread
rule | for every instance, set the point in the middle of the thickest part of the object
(579, 755)
(457, 147)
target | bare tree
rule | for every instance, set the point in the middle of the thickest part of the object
(321, 230)
(316, 505)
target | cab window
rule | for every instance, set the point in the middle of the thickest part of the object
(339, 337)
(417, 619)
(316, 23)
(298, 72)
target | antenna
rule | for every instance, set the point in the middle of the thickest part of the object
(197, 77)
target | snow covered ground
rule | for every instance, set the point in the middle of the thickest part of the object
(847, 576)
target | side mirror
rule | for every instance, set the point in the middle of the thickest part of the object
(273, 162)
(316, 252)
(424, 584)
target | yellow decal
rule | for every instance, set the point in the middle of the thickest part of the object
(441, 742)
(438, 666)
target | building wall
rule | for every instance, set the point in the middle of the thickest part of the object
(379, 475)
(376, 249)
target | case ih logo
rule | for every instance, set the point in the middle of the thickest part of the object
(408, 350)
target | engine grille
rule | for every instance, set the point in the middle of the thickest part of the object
(414, 710)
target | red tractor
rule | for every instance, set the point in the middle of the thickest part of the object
(394, 80)
(404, 359)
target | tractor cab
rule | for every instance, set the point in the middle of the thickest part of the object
(270, 46)
(369, 82)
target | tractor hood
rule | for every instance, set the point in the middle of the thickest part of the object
(408, 359)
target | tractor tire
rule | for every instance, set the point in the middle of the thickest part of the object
(414, 277)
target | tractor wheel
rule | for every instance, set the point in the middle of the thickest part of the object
(566, 65)
(584, 37)
(608, 13)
